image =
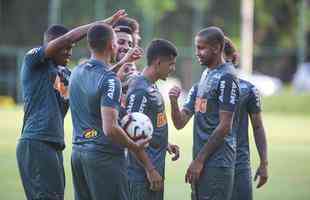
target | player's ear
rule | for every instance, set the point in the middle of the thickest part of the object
(110, 45)
(215, 48)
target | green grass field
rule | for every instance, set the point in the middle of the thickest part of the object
(289, 156)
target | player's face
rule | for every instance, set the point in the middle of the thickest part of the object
(165, 67)
(204, 51)
(125, 43)
(115, 47)
(63, 57)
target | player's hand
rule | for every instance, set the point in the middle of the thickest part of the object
(61, 88)
(262, 173)
(174, 93)
(126, 70)
(115, 17)
(155, 180)
(133, 55)
(193, 172)
(174, 149)
(141, 144)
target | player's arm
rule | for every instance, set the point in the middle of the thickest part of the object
(112, 129)
(77, 34)
(227, 98)
(138, 101)
(254, 108)
(181, 117)
(261, 145)
(132, 55)
(154, 178)
(110, 101)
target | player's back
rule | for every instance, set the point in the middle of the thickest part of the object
(249, 102)
(88, 83)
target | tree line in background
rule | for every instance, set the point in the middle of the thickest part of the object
(22, 24)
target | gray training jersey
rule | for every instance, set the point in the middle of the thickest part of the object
(44, 106)
(143, 96)
(217, 90)
(249, 103)
(93, 86)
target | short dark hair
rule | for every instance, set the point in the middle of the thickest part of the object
(160, 48)
(98, 37)
(129, 22)
(213, 35)
(54, 31)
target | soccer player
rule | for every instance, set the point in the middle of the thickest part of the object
(97, 160)
(39, 150)
(212, 102)
(249, 105)
(143, 96)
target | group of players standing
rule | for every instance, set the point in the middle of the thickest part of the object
(106, 163)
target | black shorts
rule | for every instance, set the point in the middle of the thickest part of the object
(141, 191)
(242, 184)
(41, 169)
(98, 176)
(215, 183)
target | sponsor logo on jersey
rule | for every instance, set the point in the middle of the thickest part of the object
(161, 119)
(131, 102)
(90, 133)
(222, 88)
(233, 93)
(33, 51)
(111, 88)
(143, 104)
(201, 105)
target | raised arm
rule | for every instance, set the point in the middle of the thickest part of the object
(77, 34)
(181, 117)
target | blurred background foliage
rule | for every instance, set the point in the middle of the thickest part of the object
(276, 27)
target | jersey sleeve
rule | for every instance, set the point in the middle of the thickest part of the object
(254, 103)
(138, 101)
(35, 56)
(189, 104)
(111, 92)
(228, 93)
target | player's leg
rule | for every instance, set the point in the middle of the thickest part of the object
(105, 175)
(215, 183)
(41, 170)
(242, 185)
(81, 190)
(141, 190)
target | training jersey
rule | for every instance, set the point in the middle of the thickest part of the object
(44, 106)
(91, 87)
(143, 96)
(218, 89)
(249, 103)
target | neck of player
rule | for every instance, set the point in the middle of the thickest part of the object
(150, 73)
(103, 57)
(217, 62)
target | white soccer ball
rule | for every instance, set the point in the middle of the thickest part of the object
(137, 125)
